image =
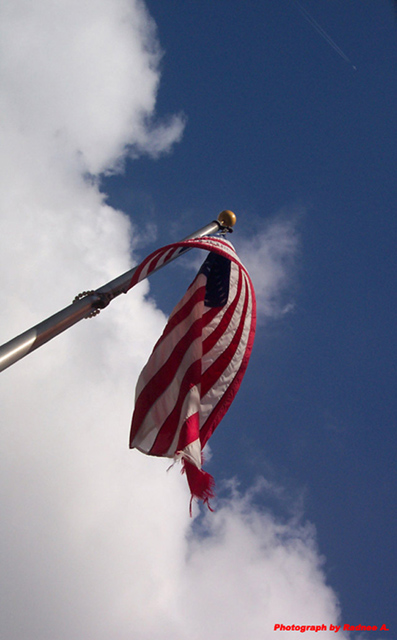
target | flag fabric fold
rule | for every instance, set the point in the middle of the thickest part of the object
(198, 363)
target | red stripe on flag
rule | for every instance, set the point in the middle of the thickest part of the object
(213, 373)
(162, 378)
(184, 312)
(167, 432)
(222, 406)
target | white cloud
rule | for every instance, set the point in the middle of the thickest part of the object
(269, 570)
(80, 79)
(270, 257)
(96, 540)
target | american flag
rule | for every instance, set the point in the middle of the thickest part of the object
(198, 363)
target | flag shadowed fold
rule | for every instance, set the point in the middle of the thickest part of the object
(198, 363)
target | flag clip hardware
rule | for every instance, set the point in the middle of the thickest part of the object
(103, 299)
(224, 230)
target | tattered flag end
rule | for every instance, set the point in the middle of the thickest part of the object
(201, 484)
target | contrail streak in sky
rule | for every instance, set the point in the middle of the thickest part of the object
(324, 34)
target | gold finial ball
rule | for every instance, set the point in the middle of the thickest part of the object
(227, 218)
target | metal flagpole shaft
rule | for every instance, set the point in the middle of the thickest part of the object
(89, 303)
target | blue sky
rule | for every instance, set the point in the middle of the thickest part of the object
(279, 123)
(126, 126)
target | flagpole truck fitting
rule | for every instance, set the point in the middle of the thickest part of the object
(89, 303)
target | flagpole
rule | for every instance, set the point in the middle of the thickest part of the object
(89, 303)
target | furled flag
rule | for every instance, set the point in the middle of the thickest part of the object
(198, 363)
